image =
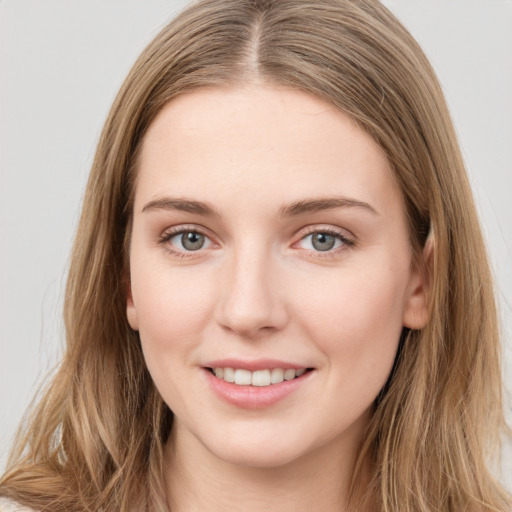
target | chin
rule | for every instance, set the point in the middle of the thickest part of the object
(263, 451)
(257, 457)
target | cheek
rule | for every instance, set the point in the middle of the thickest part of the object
(172, 308)
(356, 319)
(173, 311)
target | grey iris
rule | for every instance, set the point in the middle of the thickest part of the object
(323, 241)
(192, 241)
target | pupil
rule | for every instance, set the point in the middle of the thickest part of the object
(192, 241)
(323, 241)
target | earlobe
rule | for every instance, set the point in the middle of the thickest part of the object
(416, 311)
(131, 312)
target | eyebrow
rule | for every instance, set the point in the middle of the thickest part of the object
(322, 204)
(183, 205)
(293, 209)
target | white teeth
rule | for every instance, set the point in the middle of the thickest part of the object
(229, 374)
(289, 374)
(257, 378)
(243, 377)
(276, 375)
(261, 378)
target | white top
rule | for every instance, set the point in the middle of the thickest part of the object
(7, 505)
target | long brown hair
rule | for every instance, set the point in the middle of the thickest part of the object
(95, 439)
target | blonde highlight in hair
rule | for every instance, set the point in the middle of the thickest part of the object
(95, 440)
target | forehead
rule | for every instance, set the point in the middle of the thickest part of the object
(269, 141)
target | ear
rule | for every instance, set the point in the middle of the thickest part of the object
(131, 312)
(416, 310)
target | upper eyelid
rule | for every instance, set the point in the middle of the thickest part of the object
(183, 228)
(315, 228)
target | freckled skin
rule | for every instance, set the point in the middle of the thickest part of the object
(257, 288)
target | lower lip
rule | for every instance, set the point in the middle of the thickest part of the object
(255, 397)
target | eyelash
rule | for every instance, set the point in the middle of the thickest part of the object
(168, 235)
(346, 241)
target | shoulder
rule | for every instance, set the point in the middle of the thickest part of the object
(7, 505)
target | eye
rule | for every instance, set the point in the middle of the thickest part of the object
(187, 240)
(324, 241)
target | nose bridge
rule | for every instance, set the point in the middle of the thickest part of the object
(251, 301)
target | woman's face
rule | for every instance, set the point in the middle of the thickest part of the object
(269, 242)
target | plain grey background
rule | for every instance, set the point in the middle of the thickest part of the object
(61, 64)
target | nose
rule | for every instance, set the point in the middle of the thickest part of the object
(252, 296)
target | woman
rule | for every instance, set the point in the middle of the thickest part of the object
(279, 245)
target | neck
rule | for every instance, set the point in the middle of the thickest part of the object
(196, 479)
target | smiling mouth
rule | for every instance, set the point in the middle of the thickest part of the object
(260, 378)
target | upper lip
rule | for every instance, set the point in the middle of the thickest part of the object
(254, 364)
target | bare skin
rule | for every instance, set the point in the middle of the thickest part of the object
(268, 234)
(295, 486)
